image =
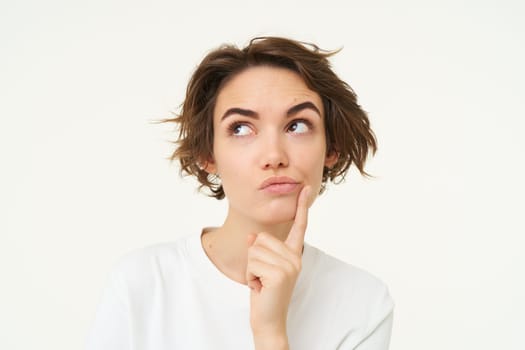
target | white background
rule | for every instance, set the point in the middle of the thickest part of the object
(85, 179)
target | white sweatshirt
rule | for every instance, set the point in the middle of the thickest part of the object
(171, 296)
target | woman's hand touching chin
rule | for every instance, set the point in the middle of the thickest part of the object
(271, 273)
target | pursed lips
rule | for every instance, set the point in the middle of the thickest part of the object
(277, 180)
(279, 184)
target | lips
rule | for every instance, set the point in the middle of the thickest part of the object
(279, 185)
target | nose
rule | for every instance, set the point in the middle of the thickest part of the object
(273, 153)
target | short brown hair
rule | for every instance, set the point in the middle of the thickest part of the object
(347, 126)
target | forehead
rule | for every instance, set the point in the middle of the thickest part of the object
(265, 89)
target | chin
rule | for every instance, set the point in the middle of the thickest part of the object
(278, 215)
(273, 221)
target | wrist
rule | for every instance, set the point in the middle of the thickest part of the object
(271, 341)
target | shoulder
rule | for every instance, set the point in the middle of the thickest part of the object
(346, 276)
(352, 276)
(149, 264)
(352, 288)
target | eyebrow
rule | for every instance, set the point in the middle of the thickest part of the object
(291, 112)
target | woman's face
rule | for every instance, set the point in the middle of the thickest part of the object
(269, 142)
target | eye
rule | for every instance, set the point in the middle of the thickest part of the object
(299, 126)
(239, 129)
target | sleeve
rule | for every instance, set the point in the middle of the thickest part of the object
(376, 335)
(111, 327)
(379, 339)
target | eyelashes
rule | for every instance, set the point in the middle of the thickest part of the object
(239, 129)
(300, 126)
(296, 126)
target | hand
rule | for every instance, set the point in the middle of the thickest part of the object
(272, 271)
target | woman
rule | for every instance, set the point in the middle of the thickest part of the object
(265, 127)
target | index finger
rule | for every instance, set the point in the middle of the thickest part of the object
(295, 238)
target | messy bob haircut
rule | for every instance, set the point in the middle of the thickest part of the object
(347, 126)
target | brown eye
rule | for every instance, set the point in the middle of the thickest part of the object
(299, 126)
(240, 129)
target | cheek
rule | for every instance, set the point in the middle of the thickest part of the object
(231, 164)
(312, 158)
(312, 169)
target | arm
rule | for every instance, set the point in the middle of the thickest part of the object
(379, 338)
(376, 332)
(110, 329)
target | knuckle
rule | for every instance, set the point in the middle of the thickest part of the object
(254, 251)
(290, 268)
(298, 264)
(281, 275)
(263, 237)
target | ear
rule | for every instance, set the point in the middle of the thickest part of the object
(209, 166)
(331, 159)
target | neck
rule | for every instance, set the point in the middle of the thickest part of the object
(237, 227)
(227, 246)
